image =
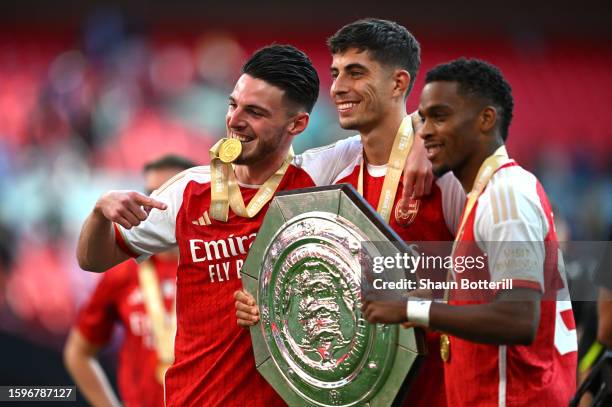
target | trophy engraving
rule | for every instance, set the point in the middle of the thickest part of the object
(312, 343)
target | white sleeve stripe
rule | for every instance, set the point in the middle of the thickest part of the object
(503, 202)
(494, 206)
(502, 364)
(510, 215)
(513, 210)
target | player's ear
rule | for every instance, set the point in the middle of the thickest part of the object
(298, 123)
(401, 81)
(488, 119)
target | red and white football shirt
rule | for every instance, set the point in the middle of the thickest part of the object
(438, 214)
(118, 298)
(436, 219)
(214, 363)
(513, 223)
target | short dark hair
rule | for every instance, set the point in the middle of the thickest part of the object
(481, 79)
(388, 43)
(169, 161)
(289, 69)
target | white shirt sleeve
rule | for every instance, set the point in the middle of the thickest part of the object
(453, 200)
(511, 227)
(157, 233)
(324, 164)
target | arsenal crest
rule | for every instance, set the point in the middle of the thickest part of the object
(406, 217)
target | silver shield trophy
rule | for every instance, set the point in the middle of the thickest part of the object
(305, 270)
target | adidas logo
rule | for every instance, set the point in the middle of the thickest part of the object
(203, 220)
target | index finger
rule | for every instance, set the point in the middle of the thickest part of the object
(150, 202)
(409, 181)
(419, 187)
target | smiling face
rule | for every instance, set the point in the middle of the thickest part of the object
(259, 116)
(362, 89)
(450, 128)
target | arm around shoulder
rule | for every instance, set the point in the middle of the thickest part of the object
(325, 164)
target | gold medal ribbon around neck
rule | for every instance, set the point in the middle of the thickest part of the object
(498, 159)
(397, 161)
(163, 323)
(486, 171)
(225, 191)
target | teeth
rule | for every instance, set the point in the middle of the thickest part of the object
(345, 106)
(433, 150)
(240, 137)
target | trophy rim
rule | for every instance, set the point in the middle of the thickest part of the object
(360, 202)
(406, 348)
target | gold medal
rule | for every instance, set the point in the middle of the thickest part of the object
(445, 347)
(230, 150)
(225, 191)
(160, 371)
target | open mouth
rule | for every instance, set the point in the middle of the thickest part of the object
(433, 149)
(240, 137)
(346, 107)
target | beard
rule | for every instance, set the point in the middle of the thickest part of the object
(262, 150)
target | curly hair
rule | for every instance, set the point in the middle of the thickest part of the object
(289, 69)
(388, 43)
(480, 79)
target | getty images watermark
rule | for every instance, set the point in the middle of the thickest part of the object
(479, 270)
(411, 263)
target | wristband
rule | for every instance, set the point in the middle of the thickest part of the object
(417, 310)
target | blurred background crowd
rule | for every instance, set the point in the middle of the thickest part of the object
(89, 93)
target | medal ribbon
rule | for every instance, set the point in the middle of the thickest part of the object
(219, 190)
(397, 160)
(486, 171)
(162, 322)
(225, 191)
